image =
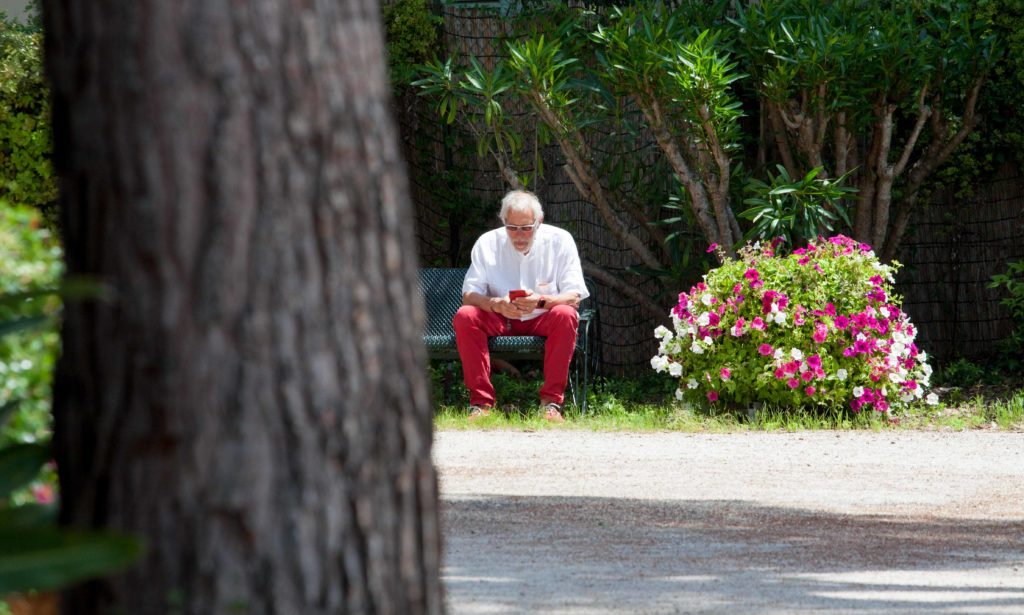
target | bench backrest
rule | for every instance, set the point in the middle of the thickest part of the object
(442, 297)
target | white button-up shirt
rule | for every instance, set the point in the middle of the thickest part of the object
(552, 266)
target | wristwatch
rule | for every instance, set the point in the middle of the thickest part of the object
(542, 303)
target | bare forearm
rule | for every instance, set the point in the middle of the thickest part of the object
(571, 298)
(481, 301)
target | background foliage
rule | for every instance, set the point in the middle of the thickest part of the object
(26, 174)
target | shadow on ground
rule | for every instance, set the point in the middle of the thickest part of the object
(516, 554)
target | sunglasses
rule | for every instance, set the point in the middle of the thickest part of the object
(529, 228)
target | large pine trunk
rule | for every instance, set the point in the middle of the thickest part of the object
(252, 402)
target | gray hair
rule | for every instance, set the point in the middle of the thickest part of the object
(521, 200)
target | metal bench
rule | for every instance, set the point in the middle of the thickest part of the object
(442, 297)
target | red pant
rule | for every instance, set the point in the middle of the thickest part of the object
(473, 326)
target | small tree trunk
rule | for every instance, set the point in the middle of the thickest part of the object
(253, 402)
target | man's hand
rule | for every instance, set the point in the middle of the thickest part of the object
(528, 303)
(507, 308)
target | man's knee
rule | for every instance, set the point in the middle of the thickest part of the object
(565, 316)
(467, 317)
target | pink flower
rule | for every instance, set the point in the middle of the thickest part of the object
(751, 274)
(757, 323)
(725, 373)
(780, 373)
(712, 247)
(814, 361)
(43, 494)
(712, 396)
(807, 376)
(810, 391)
(765, 349)
(820, 333)
(793, 383)
(842, 322)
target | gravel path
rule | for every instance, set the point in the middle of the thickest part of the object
(816, 522)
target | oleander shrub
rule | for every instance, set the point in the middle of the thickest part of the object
(818, 327)
(26, 172)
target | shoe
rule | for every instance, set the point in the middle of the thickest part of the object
(553, 412)
(478, 412)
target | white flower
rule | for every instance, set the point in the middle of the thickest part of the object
(896, 377)
(842, 374)
(675, 369)
(778, 354)
(803, 367)
(696, 348)
(691, 384)
(884, 311)
(858, 392)
(871, 310)
(927, 370)
(659, 363)
(922, 356)
(662, 333)
(796, 354)
(706, 299)
(707, 340)
(932, 399)
(898, 349)
(861, 337)
(679, 394)
(780, 317)
(703, 319)
(775, 307)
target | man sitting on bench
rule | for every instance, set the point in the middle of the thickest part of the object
(525, 279)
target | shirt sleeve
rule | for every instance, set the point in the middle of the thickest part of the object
(570, 278)
(476, 276)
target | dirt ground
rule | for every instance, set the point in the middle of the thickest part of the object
(817, 522)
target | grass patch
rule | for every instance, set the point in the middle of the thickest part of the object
(647, 404)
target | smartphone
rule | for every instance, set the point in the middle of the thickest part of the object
(516, 294)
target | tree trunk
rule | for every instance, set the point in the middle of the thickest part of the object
(253, 401)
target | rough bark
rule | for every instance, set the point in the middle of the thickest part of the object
(253, 403)
(585, 178)
(699, 201)
(778, 129)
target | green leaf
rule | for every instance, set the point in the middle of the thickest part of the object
(7, 409)
(28, 515)
(47, 558)
(20, 324)
(19, 464)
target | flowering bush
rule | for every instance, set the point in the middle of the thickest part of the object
(820, 326)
